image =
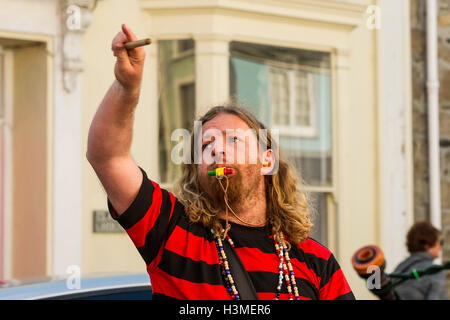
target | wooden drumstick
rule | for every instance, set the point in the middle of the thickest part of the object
(134, 44)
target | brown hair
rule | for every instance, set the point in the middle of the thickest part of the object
(287, 206)
(421, 236)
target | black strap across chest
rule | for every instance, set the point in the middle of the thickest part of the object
(241, 277)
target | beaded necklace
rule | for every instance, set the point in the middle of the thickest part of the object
(285, 269)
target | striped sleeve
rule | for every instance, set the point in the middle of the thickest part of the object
(147, 219)
(333, 284)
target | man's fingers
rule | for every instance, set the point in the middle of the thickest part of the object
(127, 31)
(118, 41)
(117, 46)
(136, 54)
(119, 50)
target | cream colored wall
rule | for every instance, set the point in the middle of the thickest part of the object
(111, 252)
(354, 51)
(357, 166)
(29, 131)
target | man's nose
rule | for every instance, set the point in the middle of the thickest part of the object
(218, 151)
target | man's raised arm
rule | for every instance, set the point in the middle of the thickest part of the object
(111, 131)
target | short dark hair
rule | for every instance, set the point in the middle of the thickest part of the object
(421, 236)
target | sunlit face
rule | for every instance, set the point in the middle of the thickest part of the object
(237, 150)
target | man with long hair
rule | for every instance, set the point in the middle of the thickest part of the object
(237, 234)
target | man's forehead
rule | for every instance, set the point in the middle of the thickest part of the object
(225, 121)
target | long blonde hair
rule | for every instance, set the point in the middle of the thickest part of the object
(288, 209)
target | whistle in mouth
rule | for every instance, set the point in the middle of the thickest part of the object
(219, 172)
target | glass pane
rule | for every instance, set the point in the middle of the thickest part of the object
(319, 203)
(302, 104)
(185, 45)
(290, 90)
(280, 96)
(314, 167)
(187, 102)
(176, 99)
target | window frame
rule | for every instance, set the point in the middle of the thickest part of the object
(293, 129)
(330, 191)
(177, 52)
(176, 86)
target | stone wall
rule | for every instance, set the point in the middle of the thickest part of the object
(420, 127)
(444, 123)
(419, 107)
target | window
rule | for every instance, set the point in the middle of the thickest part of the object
(182, 48)
(303, 100)
(185, 45)
(293, 102)
(290, 90)
(176, 103)
(279, 85)
(187, 103)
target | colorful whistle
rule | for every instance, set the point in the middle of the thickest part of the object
(222, 171)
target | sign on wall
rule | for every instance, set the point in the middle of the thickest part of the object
(103, 223)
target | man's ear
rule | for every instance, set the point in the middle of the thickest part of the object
(267, 161)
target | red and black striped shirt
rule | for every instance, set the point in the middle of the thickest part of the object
(183, 263)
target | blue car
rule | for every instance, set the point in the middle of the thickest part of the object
(91, 287)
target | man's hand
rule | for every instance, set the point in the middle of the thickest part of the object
(130, 63)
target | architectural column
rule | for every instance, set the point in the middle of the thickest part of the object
(394, 131)
(212, 71)
(67, 154)
(151, 85)
(341, 98)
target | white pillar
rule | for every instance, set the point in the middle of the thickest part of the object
(212, 75)
(151, 92)
(433, 114)
(67, 153)
(341, 95)
(394, 107)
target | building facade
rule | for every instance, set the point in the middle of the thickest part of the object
(421, 114)
(334, 77)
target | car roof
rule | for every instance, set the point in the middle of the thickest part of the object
(59, 286)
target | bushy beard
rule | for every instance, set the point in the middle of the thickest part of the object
(238, 191)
